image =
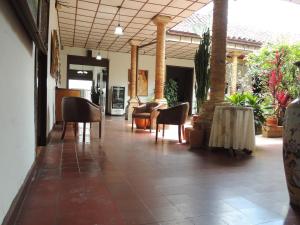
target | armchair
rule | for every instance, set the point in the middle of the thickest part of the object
(176, 115)
(79, 110)
(146, 111)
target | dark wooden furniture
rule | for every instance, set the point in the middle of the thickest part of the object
(80, 110)
(176, 115)
(147, 112)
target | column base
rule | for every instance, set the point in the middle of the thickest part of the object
(133, 102)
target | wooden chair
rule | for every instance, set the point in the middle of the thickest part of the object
(176, 115)
(146, 111)
(79, 110)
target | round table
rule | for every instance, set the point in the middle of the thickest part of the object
(233, 128)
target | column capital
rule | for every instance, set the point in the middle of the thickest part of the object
(236, 53)
(159, 19)
(134, 42)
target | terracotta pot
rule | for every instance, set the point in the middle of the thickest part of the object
(291, 149)
(195, 118)
(142, 123)
(272, 121)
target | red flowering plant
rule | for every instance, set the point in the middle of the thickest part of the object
(276, 82)
(275, 76)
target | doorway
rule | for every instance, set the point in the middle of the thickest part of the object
(183, 76)
(85, 71)
(40, 98)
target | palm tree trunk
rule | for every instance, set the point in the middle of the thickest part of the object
(217, 66)
(218, 51)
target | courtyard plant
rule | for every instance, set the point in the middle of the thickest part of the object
(202, 69)
(275, 76)
(247, 99)
(95, 93)
(171, 92)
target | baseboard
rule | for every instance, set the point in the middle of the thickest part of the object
(14, 209)
(50, 134)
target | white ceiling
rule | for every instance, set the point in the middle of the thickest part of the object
(90, 23)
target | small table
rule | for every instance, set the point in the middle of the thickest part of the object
(233, 128)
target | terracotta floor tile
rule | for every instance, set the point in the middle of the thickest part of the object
(124, 178)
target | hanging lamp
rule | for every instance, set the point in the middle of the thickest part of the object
(98, 57)
(119, 29)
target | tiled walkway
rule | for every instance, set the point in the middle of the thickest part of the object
(125, 178)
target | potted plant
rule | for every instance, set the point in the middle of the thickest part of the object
(95, 93)
(291, 150)
(248, 99)
(170, 91)
(202, 69)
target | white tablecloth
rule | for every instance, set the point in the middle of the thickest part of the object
(233, 127)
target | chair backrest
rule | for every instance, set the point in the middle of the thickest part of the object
(76, 109)
(150, 106)
(176, 115)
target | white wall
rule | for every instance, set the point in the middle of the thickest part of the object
(17, 136)
(53, 24)
(119, 63)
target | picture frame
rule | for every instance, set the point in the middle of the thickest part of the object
(142, 82)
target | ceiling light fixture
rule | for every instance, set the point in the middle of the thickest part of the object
(119, 29)
(98, 57)
(82, 71)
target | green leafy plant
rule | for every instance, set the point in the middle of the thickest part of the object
(95, 93)
(275, 76)
(248, 99)
(262, 63)
(170, 92)
(202, 69)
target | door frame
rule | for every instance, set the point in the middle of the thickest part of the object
(193, 80)
(41, 97)
(87, 60)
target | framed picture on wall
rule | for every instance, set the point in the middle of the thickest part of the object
(142, 83)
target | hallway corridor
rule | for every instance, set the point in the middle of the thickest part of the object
(127, 179)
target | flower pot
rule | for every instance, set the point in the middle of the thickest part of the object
(272, 121)
(142, 123)
(194, 119)
(291, 149)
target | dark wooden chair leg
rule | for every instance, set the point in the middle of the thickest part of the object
(145, 124)
(83, 139)
(179, 133)
(163, 131)
(100, 129)
(75, 129)
(156, 133)
(64, 130)
(183, 131)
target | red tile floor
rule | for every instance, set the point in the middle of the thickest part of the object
(127, 179)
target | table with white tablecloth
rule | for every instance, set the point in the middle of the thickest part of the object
(233, 128)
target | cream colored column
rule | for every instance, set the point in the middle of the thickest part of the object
(160, 65)
(234, 74)
(133, 101)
